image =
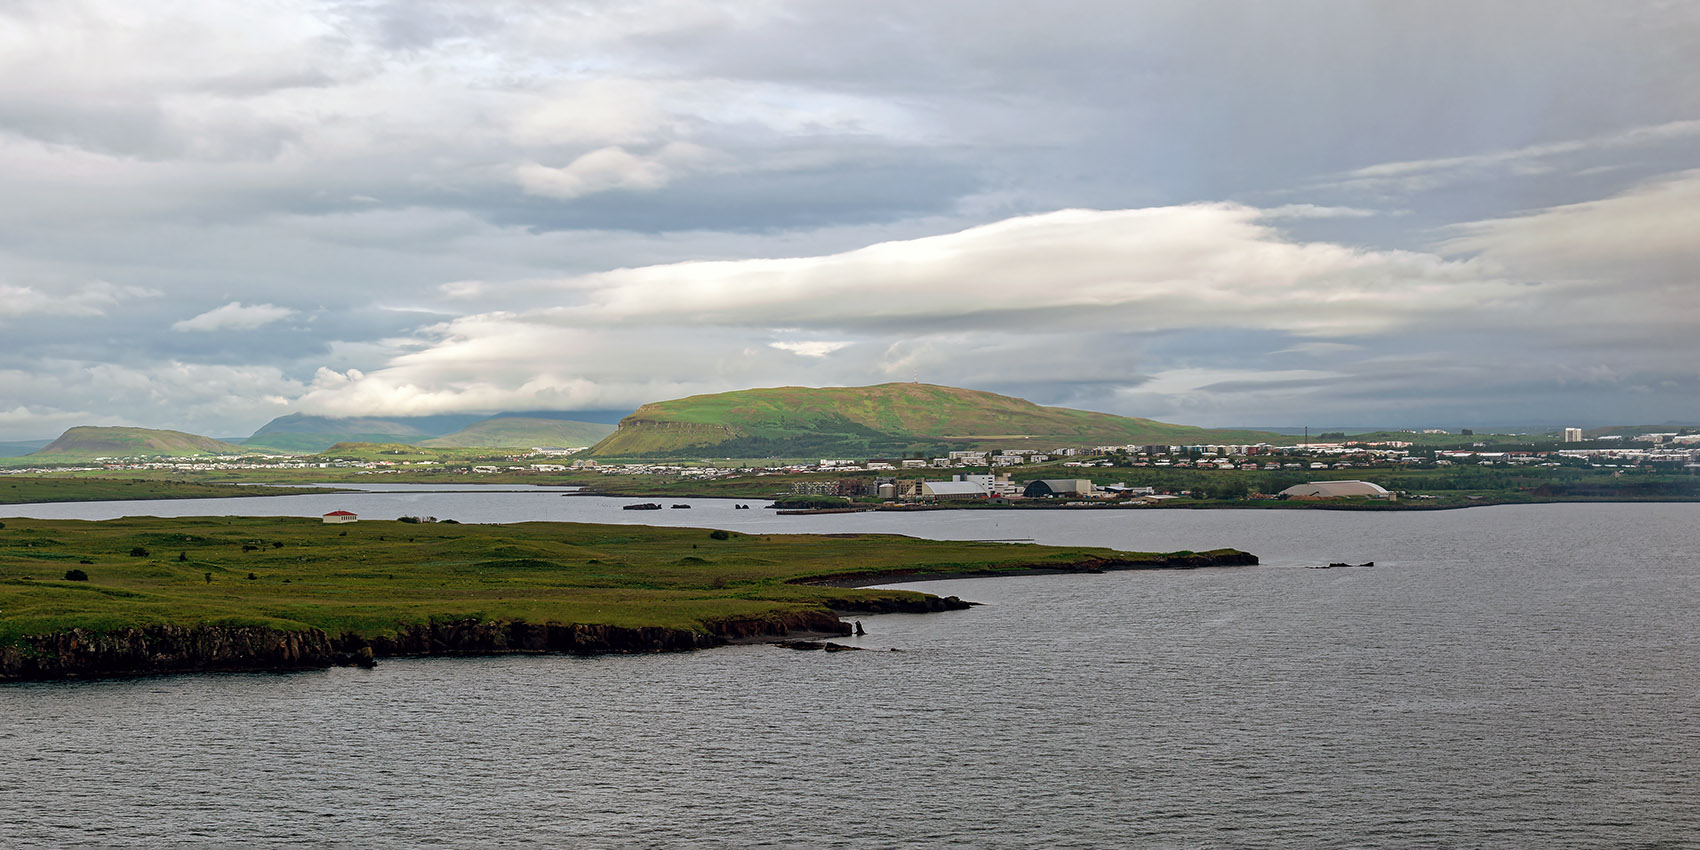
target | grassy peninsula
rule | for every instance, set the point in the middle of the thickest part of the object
(377, 584)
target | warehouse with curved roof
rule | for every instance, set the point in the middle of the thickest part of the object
(1336, 490)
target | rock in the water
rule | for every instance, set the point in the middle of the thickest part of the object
(815, 644)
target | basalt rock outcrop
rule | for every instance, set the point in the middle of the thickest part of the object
(155, 650)
(480, 637)
(926, 604)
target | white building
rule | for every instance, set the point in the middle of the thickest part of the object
(948, 491)
(1336, 490)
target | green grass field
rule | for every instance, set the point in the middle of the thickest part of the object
(371, 577)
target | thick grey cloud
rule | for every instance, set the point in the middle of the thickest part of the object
(1364, 212)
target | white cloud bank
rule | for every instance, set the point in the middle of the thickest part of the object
(610, 168)
(91, 299)
(1014, 300)
(234, 316)
(1079, 298)
(1149, 269)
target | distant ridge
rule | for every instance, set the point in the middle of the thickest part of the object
(19, 448)
(887, 419)
(90, 441)
(308, 434)
(299, 432)
(521, 431)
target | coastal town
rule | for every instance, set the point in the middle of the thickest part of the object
(1080, 475)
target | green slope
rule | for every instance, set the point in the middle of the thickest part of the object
(521, 431)
(883, 419)
(302, 433)
(87, 441)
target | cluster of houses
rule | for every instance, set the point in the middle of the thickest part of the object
(999, 488)
(966, 487)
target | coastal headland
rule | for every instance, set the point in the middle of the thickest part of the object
(146, 595)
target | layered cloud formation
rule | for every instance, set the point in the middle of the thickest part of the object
(1457, 214)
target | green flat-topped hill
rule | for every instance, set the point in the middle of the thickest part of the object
(372, 578)
(884, 419)
(88, 441)
(521, 432)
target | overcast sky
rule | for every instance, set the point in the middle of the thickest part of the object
(1216, 213)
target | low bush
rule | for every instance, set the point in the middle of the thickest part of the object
(76, 575)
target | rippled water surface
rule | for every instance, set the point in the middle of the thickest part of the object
(1505, 677)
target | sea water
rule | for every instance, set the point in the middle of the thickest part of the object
(1503, 677)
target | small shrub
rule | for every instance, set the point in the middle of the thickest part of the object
(85, 561)
(182, 556)
(407, 519)
(2, 525)
(252, 577)
(138, 552)
(720, 534)
(277, 544)
(76, 575)
(451, 522)
(249, 547)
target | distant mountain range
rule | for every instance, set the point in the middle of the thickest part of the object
(888, 419)
(791, 422)
(19, 448)
(302, 434)
(299, 432)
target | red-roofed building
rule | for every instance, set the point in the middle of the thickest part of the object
(340, 516)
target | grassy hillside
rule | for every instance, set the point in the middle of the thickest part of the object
(87, 441)
(883, 419)
(371, 577)
(522, 432)
(306, 434)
